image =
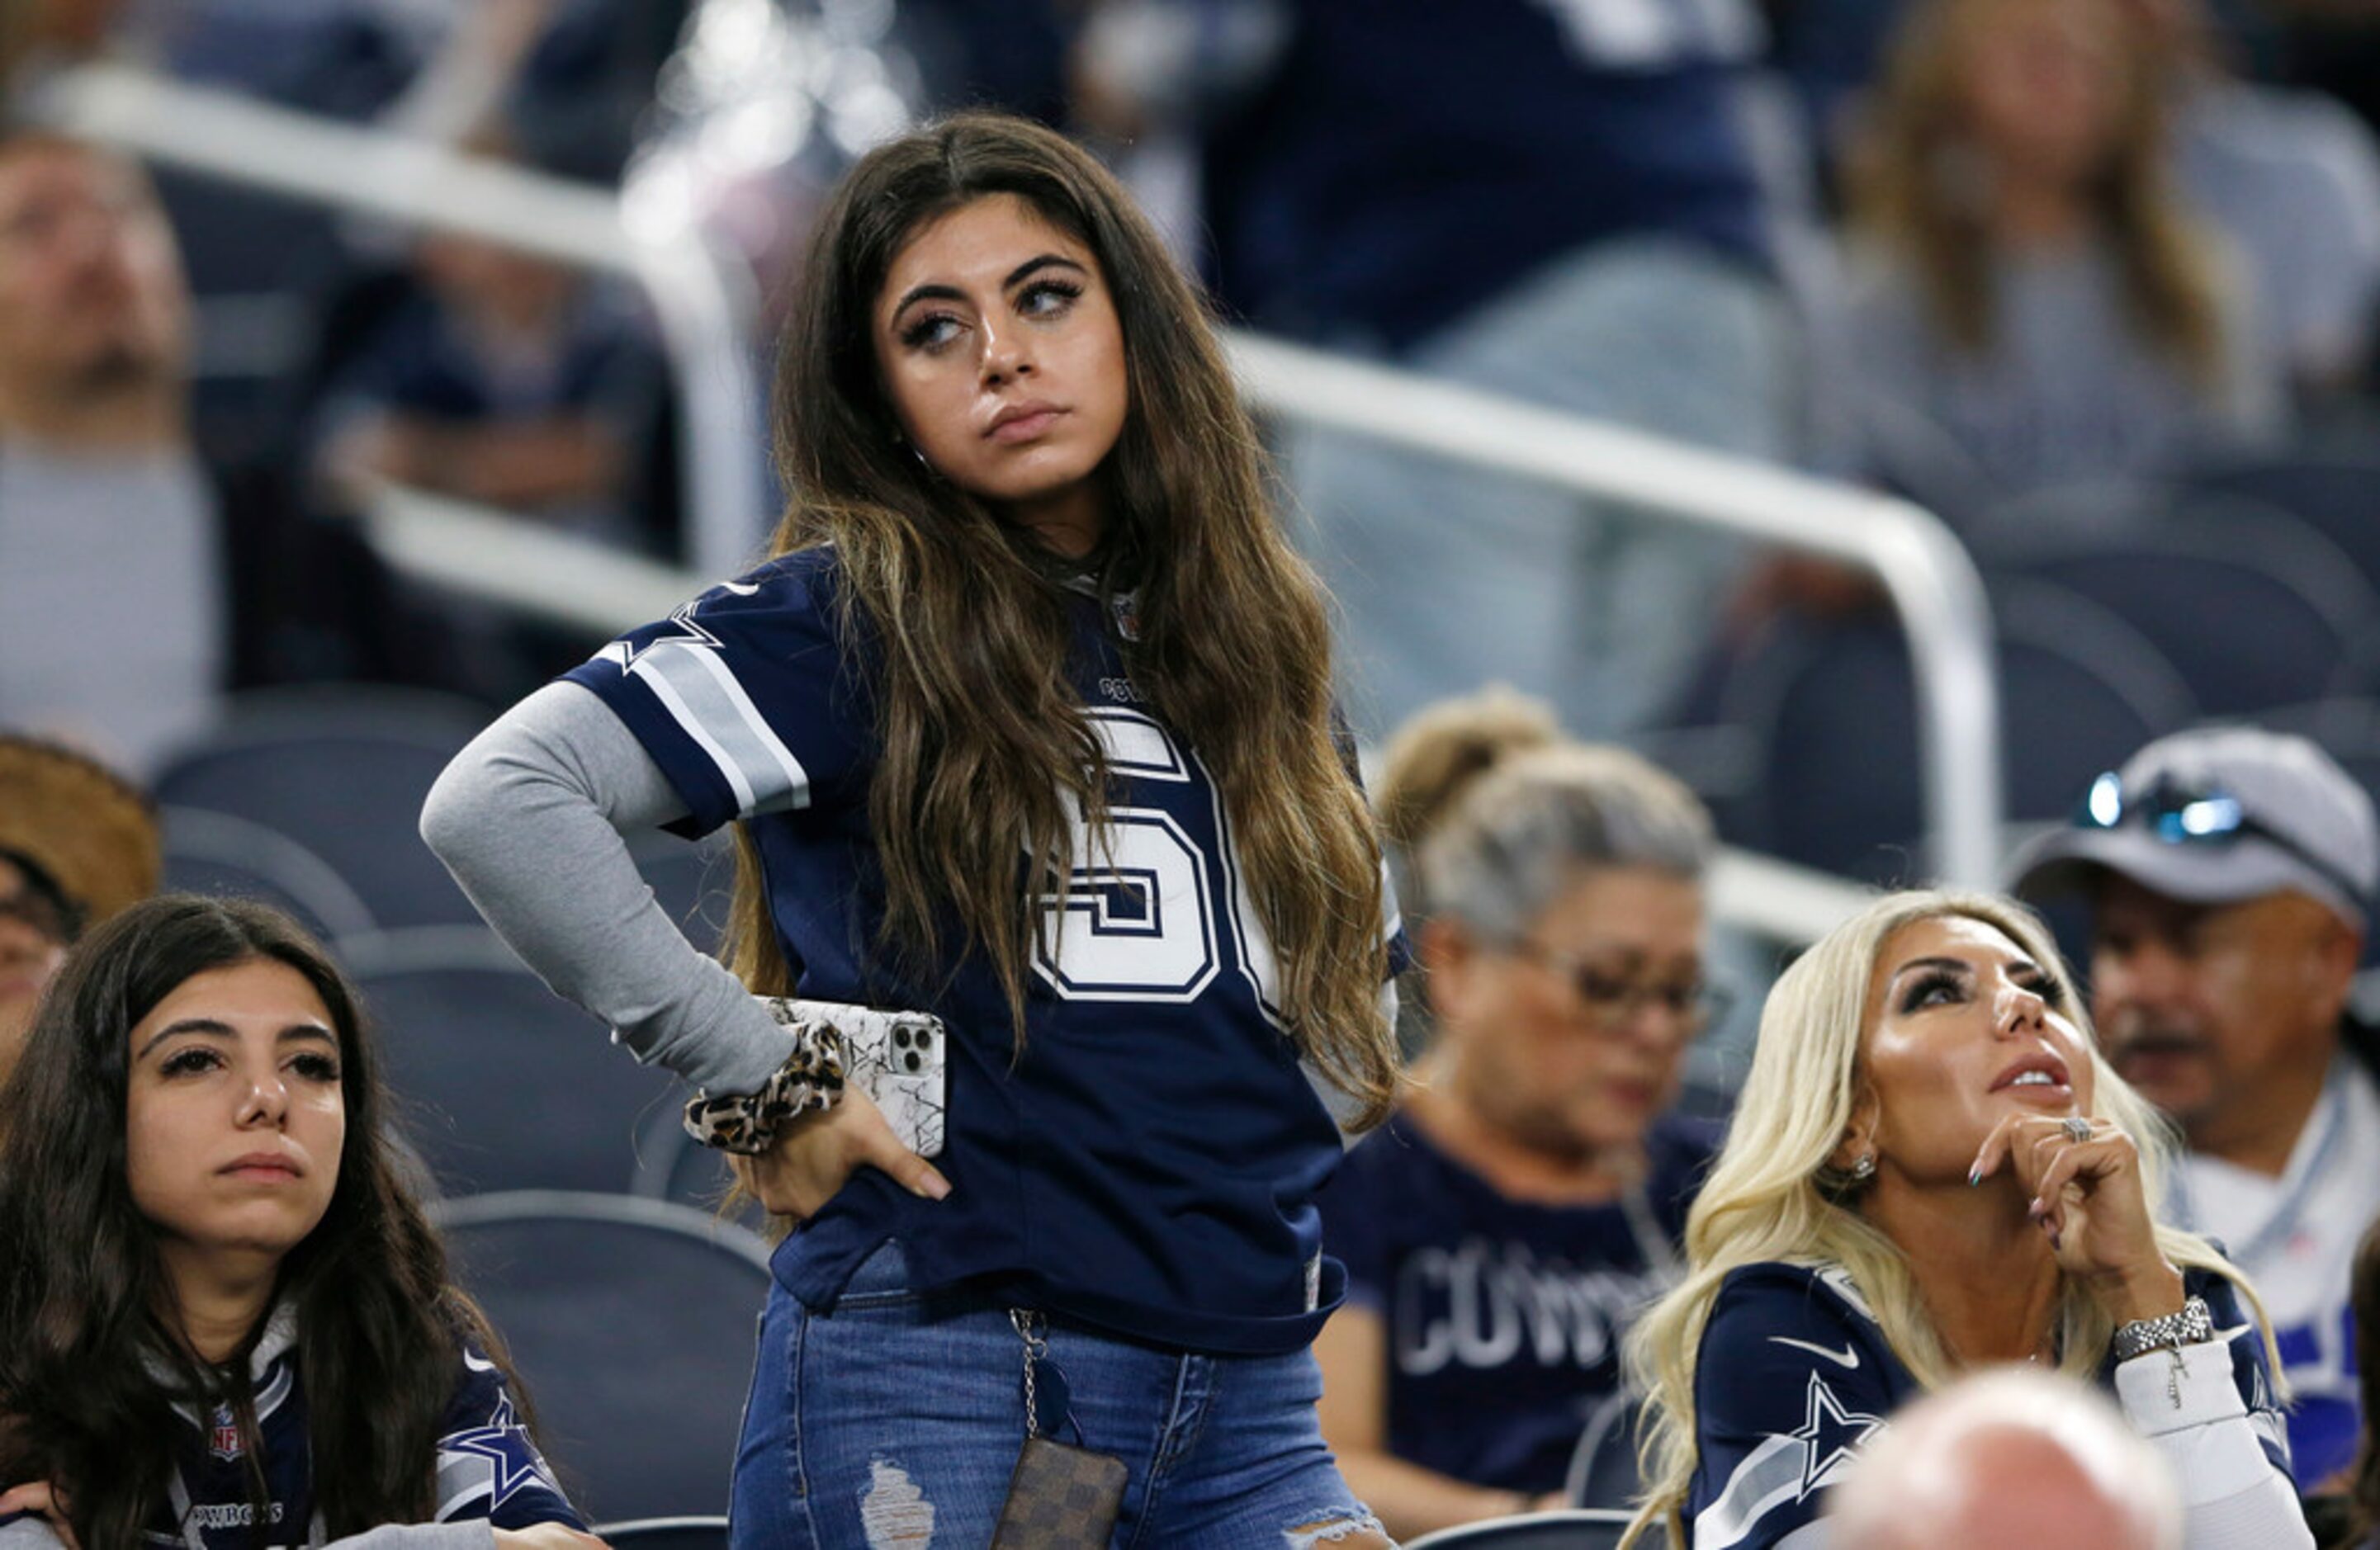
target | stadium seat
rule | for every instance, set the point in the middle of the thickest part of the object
(1579, 1529)
(665, 1533)
(1603, 1471)
(230, 857)
(504, 1085)
(631, 1321)
(2337, 495)
(342, 773)
(2253, 617)
(673, 1165)
(1833, 714)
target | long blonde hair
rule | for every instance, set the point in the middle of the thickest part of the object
(1774, 1195)
(987, 754)
(1913, 181)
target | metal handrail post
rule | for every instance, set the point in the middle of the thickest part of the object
(703, 303)
(1933, 585)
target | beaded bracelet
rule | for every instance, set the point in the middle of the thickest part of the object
(811, 1078)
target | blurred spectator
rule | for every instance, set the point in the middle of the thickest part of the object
(77, 845)
(2009, 1457)
(2292, 178)
(2028, 302)
(2230, 873)
(113, 615)
(1501, 1230)
(135, 583)
(1551, 200)
(507, 380)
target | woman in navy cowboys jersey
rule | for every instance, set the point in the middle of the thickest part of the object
(1931, 1170)
(224, 1320)
(1027, 725)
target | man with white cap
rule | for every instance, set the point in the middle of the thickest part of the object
(2231, 872)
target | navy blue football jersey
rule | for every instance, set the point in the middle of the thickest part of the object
(1794, 1376)
(1149, 1163)
(488, 1467)
(1503, 1316)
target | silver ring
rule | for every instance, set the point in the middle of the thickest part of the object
(2077, 1128)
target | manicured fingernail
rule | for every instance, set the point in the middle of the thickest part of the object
(937, 1187)
(2054, 1242)
(1975, 1176)
(2034, 1207)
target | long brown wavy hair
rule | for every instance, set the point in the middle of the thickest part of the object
(93, 1359)
(986, 749)
(1918, 183)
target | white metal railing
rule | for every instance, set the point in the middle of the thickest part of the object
(585, 585)
(705, 309)
(703, 303)
(1933, 584)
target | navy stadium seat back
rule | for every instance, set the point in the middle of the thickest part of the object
(342, 773)
(1578, 1529)
(502, 1085)
(1833, 711)
(665, 1533)
(2252, 615)
(228, 856)
(2336, 495)
(632, 1325)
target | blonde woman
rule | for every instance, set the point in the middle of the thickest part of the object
(1931, 1172)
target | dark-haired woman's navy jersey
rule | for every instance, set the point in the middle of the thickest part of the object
(1503, 1316)
(1794, 1376)
(1149, 1164)
(1410, 159)
(488, 1466)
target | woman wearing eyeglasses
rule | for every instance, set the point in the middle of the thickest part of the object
(1501, 1231)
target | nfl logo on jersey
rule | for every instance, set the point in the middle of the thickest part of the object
(223, 1435)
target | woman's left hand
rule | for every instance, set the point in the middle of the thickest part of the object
(2089, 1199)
(35, 1496)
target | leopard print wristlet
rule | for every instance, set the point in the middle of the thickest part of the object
(810, 1079)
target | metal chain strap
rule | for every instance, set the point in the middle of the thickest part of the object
(1032, 1329)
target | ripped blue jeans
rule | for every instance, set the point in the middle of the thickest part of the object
(894, 1418)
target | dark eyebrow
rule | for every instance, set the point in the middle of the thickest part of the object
(1956, 965)
(206, 1026)
(933, 291)
(1018, 276)
(308, 1033)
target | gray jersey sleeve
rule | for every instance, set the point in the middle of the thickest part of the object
(530, 817)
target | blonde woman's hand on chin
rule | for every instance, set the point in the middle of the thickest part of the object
(2088, 1198)
(815, 1156)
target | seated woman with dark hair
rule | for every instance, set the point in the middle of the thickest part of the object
(224, 1321)
(1931, 1171)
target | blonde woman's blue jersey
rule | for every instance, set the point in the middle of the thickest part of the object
(1795, 1377)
